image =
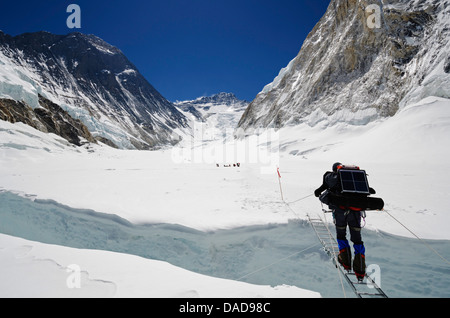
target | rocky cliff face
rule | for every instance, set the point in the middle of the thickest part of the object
(49, 118)
(93, 81)
(350, 71)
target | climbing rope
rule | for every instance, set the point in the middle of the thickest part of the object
(422, 241)
(274, 263)
(297, 216)
(387, 212)
(301, 199)
(336, 261)
(287, 257)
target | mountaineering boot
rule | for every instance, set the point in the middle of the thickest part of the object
(345, 258)
(359, 262)
(345, 254)
(359, 266)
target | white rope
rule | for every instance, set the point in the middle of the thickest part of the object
(415, 235)
(274, 263)
(287, 257)
(335, 257)
(326, 225)
(423, 242)
(301, 199)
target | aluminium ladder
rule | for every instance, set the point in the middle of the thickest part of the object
(368, 287)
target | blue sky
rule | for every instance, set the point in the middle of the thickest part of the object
(185, 48)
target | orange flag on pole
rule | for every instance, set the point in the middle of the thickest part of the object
(279, 181)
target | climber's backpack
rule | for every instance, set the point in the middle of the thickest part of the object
(349, 189)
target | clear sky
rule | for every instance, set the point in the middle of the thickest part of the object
(185, 48)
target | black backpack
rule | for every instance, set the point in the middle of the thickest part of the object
(349, 187)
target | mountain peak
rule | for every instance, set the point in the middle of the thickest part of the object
(96, 42)
(94, 82)
(218, 99)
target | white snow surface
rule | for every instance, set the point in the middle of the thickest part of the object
(220, 118)
(32, 269)
(406, 157)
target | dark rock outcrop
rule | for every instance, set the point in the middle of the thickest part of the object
(49, 118)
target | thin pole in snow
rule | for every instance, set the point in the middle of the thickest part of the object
(279, 181)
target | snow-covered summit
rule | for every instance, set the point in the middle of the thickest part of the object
(219, 112)
(222, 98)
(93, 81)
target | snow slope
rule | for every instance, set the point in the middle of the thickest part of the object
(31, 269)
(401, 154)
(214, 117)
(405, 156)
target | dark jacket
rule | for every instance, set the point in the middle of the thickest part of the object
(330, 182)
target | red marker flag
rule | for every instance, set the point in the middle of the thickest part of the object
(279, 181)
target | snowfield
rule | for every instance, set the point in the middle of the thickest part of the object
(31, 269)
(406, 157)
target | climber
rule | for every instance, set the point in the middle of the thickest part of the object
(345, 215)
